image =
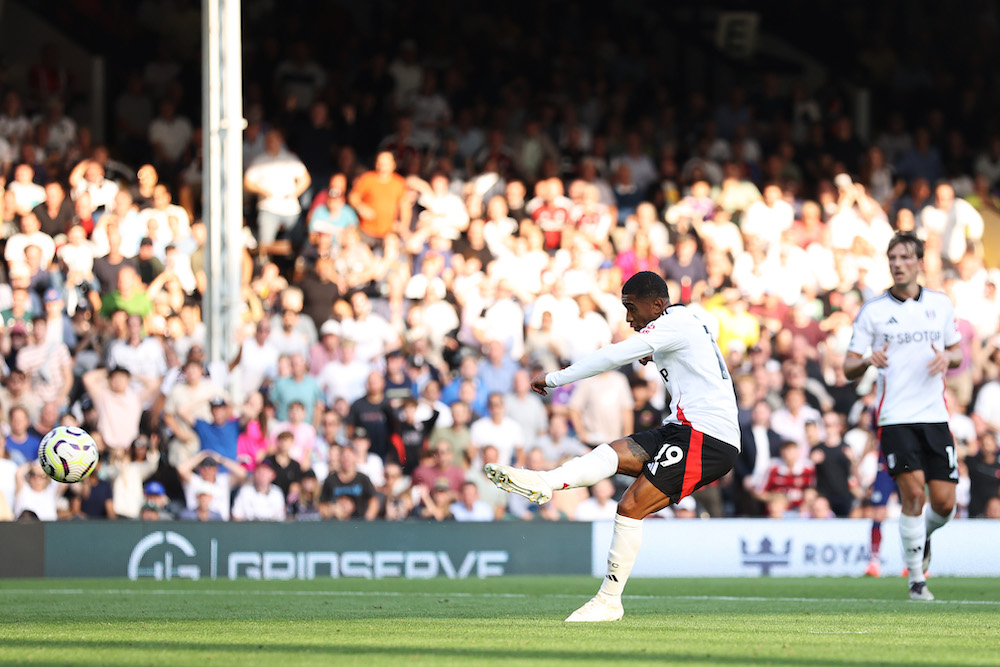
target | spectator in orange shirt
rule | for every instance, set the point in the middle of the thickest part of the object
(376, 196)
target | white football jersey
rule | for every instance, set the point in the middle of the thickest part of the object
(915, 330)
(691, 365)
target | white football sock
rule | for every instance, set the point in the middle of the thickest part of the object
(585, 470)
(913, 534)
(933, 520)
(621, 556)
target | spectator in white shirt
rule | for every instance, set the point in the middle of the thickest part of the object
(88, 176)
(344, 378)
(31, 235)
(600, 506)
(498, 430)
(62, 128)
(469, 507)
(157, 220)
(78, 252)
(27, 194)
(258, 359)
(444, 212)
(767, 219)
(200, 474)
(169, 135)
(260, 499)
(278, 178)
(790, 421)
(955, 221)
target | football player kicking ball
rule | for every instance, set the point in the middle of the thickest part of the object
(911, 333)
(696, 445)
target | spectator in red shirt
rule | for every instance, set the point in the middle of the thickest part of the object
(789, 482)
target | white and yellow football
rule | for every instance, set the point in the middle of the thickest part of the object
(68, 454)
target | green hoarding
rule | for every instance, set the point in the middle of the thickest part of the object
(21, 547)
(169, 550)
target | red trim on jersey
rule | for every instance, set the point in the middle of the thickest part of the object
(692, 471)
(878, 410)
(684, 420)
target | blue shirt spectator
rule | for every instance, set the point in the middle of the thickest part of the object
(222, 433)
(21, 443)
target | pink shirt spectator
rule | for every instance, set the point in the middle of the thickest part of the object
(304, 446)
(250, 444)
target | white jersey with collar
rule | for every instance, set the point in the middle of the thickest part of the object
(690, 364)
(915, 330)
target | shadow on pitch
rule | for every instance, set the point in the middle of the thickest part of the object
(248, 650)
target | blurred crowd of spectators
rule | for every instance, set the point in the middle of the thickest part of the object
(416, 249)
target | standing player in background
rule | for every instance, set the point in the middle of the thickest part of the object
(879, 489)
(696, 445)
(911, 334)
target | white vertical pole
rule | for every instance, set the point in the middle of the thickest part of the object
(232, 174)
(212, 178)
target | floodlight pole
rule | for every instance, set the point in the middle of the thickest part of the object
(222, 174)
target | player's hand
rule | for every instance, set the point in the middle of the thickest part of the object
(940, 362)
(538, 385)
(880, 358)
(645, 360)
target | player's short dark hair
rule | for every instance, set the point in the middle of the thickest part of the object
(646, 285)
(907, 238)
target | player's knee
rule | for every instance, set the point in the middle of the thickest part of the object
(911, 492)
(943, 507)
(630, 507)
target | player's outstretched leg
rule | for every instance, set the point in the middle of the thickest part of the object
(607, 604)
(524, 482)
(537, 486)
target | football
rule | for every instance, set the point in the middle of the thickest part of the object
(67, 454)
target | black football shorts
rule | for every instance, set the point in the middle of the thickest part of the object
(682, 460)
(927, 447)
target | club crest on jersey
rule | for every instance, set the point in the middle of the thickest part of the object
(930, 314)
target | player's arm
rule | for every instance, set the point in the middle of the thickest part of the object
(949, 357)
(595, 363)
(855, 365)
(863, 339)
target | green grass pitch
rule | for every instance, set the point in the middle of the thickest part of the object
(509, 621)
